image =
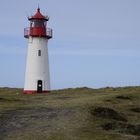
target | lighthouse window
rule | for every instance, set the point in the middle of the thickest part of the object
(39, 52)
(38, 23)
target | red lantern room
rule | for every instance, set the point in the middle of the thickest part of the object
(38, 26)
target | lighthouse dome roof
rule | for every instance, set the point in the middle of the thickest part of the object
(38, 15)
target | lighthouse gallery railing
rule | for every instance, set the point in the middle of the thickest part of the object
(28, 32)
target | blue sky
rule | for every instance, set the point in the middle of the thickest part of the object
(96, 43)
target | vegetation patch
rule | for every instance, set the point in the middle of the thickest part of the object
(122, 128)
(107, 113)
(123, 97)
(8, 100)
(137, 110)
(63, 97)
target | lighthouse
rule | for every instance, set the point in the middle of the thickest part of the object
(37, 77)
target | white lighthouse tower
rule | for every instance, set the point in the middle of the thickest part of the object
(37, 78)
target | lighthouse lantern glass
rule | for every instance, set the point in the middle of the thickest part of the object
(38, 23)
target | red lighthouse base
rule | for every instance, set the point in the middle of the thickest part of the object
(35, 91)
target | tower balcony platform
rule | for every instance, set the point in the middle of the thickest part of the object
(38, 32)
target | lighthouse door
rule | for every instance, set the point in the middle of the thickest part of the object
(39, 86)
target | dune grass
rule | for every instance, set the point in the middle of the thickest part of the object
(71, 114)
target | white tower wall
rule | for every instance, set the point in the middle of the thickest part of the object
(37, 67)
